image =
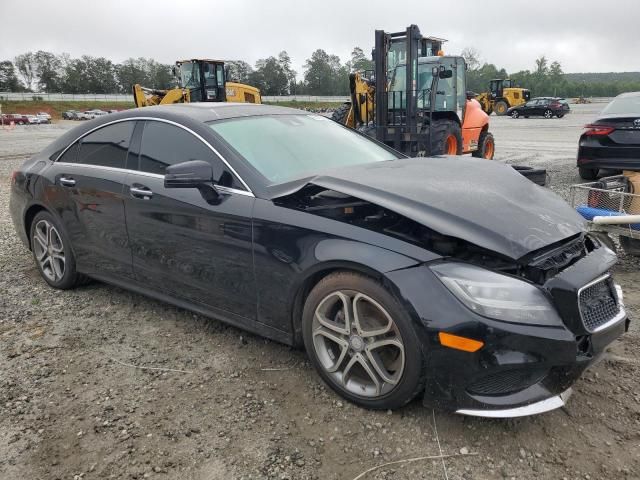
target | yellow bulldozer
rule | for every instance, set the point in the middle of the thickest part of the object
(199, 80)
(502, 95)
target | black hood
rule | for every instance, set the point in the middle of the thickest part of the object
(483, 202)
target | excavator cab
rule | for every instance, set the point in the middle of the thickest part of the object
(205, 79)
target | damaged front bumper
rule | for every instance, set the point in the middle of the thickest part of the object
(521, 369)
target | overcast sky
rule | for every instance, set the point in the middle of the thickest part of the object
(583, 35)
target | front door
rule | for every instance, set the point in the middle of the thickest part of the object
(183, 244)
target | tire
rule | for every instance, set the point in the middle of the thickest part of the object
(342, 356)
(548, 114)
(445, 132)
(515, 114)
(50, 241)
(588, 173)
(560, 115)
(341, 113)
(486, 146)
(501, 108)
(631, 246)
(536, 175)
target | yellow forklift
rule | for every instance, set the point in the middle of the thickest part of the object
(199, 80)
(502, 95)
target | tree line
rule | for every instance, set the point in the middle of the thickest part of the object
(546, 79)
(323, 74)
(41, 71)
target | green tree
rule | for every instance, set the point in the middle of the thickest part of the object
(542, 66)
(270, 77)
(48, 67)
(324, 74)
(8, 80)
(471, 57)
(285, 63)
(359, 62)
(238, 71)
(26, 66)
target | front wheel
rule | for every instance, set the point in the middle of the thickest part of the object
(515, 114)
(501, 108)
(548, 114)
(361, 342)
(486, 146)
(446, 138)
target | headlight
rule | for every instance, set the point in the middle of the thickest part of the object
(497, 296)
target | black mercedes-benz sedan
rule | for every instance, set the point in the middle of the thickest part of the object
(612, 141)
(452, 278)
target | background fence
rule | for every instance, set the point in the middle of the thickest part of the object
(117, 97)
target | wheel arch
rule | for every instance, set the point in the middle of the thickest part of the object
(29, 214)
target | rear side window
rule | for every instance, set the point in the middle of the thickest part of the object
(107, 147)
(627, 105)
(164, 144)
(71, 155)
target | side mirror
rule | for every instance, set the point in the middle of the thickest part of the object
(191, 174)
(445, 74)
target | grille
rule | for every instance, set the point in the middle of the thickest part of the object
(507, 382)
(598, 304)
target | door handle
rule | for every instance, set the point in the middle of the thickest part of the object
(141, 192)
(67, 182)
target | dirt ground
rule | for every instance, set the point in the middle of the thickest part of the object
(102, 383)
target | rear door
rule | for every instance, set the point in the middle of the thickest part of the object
(88, 196)
(184, 245)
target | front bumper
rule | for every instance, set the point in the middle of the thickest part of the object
(521, 369)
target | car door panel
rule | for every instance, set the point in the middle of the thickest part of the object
(188, 244)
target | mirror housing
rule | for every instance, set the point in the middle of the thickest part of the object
(191, 174)
(445, 73)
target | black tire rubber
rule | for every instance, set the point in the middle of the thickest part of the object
(536, 175)
(515, 114)
(340, 114)
(631, 246)
(485, 138)
(71, 278)
(560, 115)
(588, 173)
(414, 375)
(547, 114)
(441, 130)
(501, 106)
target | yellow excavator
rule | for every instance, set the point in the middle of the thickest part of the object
(502, 95)
(199, 80)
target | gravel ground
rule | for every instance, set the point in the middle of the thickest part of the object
(102, 383)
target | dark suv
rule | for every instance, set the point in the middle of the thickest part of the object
(547, 107)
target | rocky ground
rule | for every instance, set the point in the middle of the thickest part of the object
(102, 383)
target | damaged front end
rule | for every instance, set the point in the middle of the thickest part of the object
(527, 363)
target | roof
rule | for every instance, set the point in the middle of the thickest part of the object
(211, 111)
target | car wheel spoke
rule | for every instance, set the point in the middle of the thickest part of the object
(378, 361)
(373, 323)
(342, 319)
(338, 340)
(49, 250)
(347, 375)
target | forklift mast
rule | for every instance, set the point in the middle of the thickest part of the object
(391, 50)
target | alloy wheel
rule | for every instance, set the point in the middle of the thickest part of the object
(358, 344)
(548, 114)
(49, 250)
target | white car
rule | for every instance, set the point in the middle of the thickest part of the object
(90, 114)
(44, 117)
(33, 119)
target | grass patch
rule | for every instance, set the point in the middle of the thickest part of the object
(55, 109)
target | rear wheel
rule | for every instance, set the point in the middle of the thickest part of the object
(52, 252)
(560, 115)
(446, 138)
(588, 173)
(515, 114)
(548, 114)
(361, 341)
(486, 146)
(501, 108)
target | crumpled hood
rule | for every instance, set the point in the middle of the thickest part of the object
(483, 202)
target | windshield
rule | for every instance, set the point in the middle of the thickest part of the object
(623, 106)
(189, 75)
(398, 88)
(287, 147)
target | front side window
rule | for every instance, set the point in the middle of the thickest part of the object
(190, 75)
(107, 146)
(287, 147)
(164, 144)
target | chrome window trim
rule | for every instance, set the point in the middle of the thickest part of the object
(248, 192)
(220, 188)
(621, 311)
